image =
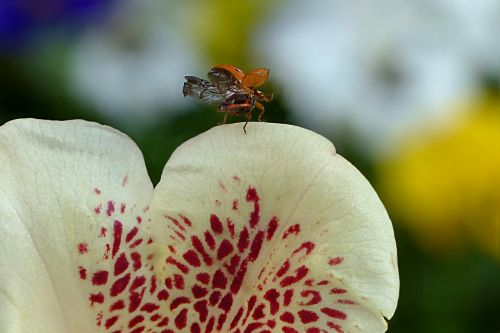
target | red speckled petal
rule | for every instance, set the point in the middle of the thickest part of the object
(288, 235)
(265, 232)
(71, 198)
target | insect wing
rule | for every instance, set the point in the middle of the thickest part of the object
(223, 79)
(202, 90)
(255, 78)
(233, 70)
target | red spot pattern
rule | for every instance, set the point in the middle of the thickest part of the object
(99, 278)
(96, 298)
(335, 261)
(219, 282)
(117, 236)
(83, 272)
(111, 208)
(82, 248)
(293, 230)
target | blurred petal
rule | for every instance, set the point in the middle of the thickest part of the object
(452, 173)
(62, 183)
(129, 69)
(338, 71)
(286, 233)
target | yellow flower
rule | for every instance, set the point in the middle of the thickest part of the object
(224, 28)
(445, 183)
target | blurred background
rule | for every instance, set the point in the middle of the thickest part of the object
(409, 92)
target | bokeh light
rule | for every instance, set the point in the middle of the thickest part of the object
(445, 182)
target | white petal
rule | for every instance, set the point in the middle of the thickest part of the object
(290, 214)
(406, 73)
(299, 202)
(126, 84)
(61, 183)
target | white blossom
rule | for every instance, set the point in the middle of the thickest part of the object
(270, 229)
(380, 68)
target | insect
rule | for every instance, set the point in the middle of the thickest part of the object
(234, 91)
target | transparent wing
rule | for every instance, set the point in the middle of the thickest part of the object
(202, 90)
(223, 79)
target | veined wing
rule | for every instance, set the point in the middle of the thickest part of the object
(223, 80)
(202, 90)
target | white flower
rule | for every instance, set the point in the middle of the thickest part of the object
(270, 230)
(134, 67)
(383, 67)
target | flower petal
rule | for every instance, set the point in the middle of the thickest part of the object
(272, 230)
(288, 236)
(63, 183)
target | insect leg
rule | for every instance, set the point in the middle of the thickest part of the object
(248, 115)
(262, 110)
